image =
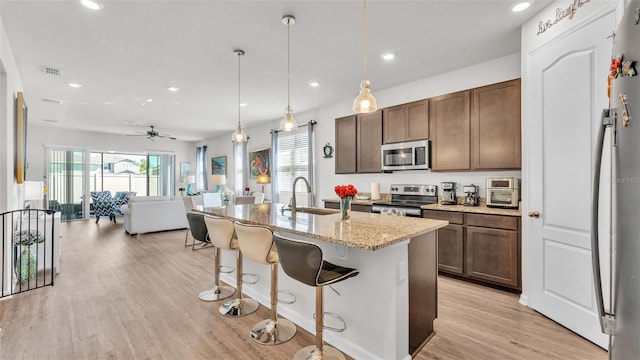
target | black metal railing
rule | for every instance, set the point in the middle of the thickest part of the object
(28, 250)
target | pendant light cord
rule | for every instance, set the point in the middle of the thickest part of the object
(239, 56)
(288, 66)
(365, 39)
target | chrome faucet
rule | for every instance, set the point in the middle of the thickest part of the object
(292, 202)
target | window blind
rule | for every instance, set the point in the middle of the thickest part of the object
(293, 159)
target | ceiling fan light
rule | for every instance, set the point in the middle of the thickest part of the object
(365, 102)
(288, 123)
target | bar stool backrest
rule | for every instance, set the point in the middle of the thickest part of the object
(197, 226)
(256, 243)
(188, 203)
(300, 260)
(221, 232)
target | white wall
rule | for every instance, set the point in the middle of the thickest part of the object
(10, 85)
(39, 136)
(497, 70)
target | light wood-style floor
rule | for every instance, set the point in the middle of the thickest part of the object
(121, 297)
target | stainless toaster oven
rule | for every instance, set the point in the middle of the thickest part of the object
(503, 192)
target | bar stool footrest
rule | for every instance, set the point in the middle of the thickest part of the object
(336, 316)
(226, 269)
(251, 276)
(288, 293)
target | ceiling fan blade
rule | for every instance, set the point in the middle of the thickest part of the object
(136, 134)
(164, 136)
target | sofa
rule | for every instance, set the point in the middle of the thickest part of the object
(154, 213)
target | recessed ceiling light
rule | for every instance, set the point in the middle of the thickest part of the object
(388, 56)
(172, 88)
(521, 6)
(314, 84)
(75, 85)
(93, 5)
(243, 104)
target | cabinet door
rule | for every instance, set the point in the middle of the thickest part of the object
(346, 145)
(394, 123)
(417, 120)
(369, 134)
(360, 208)
(451, 249)
(492, 255)
(495, 126)
(449, 130)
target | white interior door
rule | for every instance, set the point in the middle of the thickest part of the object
(566, 94)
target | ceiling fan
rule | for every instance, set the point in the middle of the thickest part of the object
(152, 134)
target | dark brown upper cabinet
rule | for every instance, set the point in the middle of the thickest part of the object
(358, 141)
(450, 131)
(406, 122)
(369, 135)
(495, 126)
(346, 145)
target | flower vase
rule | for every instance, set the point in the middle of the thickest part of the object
(345, 208)
(27, 265)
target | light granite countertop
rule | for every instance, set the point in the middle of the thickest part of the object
(482, 209)
(364, 230)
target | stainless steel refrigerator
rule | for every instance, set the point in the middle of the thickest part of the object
(621, 121)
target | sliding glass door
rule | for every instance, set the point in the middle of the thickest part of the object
(66, 183)
(73, 174)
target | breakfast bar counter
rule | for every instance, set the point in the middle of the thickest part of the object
(388, 308)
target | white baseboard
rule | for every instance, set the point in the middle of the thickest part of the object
(524, 300)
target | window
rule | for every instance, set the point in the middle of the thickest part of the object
(292, 161)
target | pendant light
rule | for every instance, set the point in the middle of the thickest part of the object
(239, 135)
(288, 123)
(365, 102)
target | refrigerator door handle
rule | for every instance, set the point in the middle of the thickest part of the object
(606, 319)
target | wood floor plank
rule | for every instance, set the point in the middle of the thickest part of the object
(136, 297)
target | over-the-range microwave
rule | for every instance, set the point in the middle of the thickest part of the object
(412, 155)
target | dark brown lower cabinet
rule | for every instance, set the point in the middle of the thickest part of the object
(492, 255)
(485, 248)
(451, 248)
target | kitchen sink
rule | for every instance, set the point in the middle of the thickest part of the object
(315, 211)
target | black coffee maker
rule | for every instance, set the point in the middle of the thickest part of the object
(471, 195)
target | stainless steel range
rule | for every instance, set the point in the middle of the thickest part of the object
(406, 200)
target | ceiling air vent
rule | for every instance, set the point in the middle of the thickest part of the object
(52, 101)
(51, 70)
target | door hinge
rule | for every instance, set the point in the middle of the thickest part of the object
(608, 322)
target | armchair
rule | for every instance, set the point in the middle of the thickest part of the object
(103, 205)
(122, 198)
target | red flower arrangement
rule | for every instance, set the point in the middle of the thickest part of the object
(345, 191)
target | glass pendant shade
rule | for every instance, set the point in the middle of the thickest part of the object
(239, 135)
(288, 123)
(365, 102)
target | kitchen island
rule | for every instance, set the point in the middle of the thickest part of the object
(389, 307)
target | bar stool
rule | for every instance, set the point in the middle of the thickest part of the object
(303, 261)
(198, 230)
(256, 243)
(240, 306)
(221, 235)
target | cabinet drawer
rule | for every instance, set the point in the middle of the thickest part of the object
(359, 207)
(493, 221)
(331, 205)
(451, 217)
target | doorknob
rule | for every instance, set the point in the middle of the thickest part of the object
(534, 214)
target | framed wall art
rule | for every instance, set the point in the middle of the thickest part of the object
(20, 138)
(219, 165)
(259, 163)
(185, 170)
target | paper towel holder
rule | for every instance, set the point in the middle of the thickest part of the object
(328, 151)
